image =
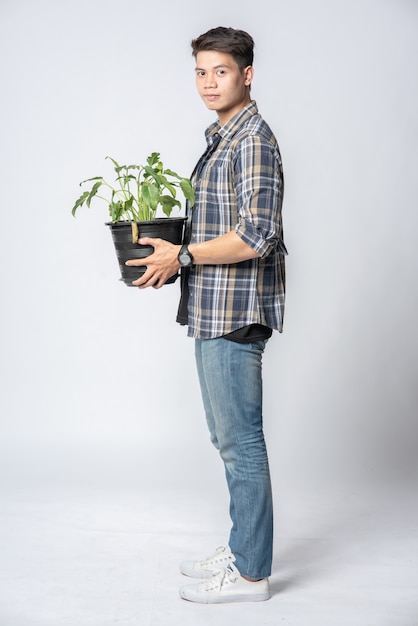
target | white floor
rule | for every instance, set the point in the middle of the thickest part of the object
(100, 554)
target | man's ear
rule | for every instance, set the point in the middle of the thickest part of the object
(248, 74)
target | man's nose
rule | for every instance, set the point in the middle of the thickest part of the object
(210, 81)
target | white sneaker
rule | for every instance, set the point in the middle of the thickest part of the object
(209, 566)
(227, 586)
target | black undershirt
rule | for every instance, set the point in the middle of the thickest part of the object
(250, 333)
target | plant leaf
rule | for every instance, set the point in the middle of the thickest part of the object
(187, 189)
(168, 203)
(116, 210)
(171, 173)
(151, 193)
(126, 177)
(133, 167)
(80, 202)
(93, 192)
(153, 158)
(89, 179)
(170, 186)
(150, 171)
(115, 163)
(128, 204)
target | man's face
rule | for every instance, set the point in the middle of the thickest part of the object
(221, 85)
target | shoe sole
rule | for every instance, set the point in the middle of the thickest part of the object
(222, 599)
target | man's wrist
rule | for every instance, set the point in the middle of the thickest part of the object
(185, 257)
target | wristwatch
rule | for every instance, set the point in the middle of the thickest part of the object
(184, 256)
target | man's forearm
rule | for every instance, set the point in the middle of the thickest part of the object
(228, 248)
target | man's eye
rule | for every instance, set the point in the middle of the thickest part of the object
(201, 73)
(221, 72)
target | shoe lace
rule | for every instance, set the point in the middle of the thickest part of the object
(222, 555)
(229, 574)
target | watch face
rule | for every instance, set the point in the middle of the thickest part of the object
(185, 259)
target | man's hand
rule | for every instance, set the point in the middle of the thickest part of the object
(161, 264)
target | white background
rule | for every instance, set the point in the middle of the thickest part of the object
(98, 381)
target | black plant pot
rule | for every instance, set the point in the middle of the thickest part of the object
(168, 228)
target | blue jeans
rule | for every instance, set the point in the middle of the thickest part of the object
(231, 384)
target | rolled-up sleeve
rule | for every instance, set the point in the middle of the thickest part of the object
(258, 181)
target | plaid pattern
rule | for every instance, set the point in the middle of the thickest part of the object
(240, 186)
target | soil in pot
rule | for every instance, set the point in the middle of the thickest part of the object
(168, 228)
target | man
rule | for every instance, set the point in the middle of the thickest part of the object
(232, 298)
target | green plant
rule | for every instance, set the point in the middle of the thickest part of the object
(138, 191)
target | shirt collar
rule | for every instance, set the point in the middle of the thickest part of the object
(230, 128)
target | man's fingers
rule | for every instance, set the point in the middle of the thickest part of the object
(147, 241)
(136, 262)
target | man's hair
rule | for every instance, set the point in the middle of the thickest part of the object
(238, 43)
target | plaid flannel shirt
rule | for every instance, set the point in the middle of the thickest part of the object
(239, 187)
